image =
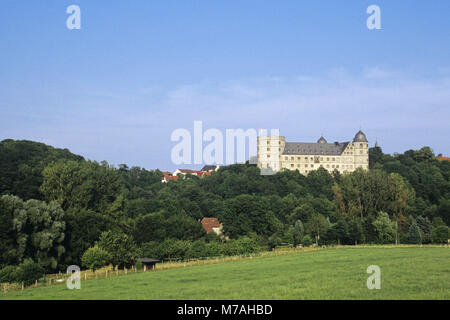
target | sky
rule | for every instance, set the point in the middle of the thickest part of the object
(137, 70)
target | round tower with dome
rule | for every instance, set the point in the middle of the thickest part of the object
(361, 150)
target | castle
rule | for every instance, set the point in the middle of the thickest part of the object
(276, 154)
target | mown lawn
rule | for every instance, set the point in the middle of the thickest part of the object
(406, 273)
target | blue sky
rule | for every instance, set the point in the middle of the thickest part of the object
(137, 70)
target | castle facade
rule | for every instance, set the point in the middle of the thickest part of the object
(276, 154)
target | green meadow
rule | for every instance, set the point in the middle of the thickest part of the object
(337, 273)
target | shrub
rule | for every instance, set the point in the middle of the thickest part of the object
(248, 245)
(28, 272)
(213, 249)
(95, 258)
(197, 250)
(7, 274)
(307, 241)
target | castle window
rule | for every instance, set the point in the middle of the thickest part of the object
(292, 165)
(292, 158)
(328, 159)
(360, 145)
(268, 149)
(268, 156)
(360, 151)
(332, 159)
(306, 158)
(312, 166)
(306, 166)
(285, 158)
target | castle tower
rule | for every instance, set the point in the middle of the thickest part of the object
(270, 149)
(361, 151)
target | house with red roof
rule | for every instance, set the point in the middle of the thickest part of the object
(212, 225)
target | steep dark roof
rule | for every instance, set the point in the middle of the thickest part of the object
(209, 168)
(149, 260)
(322, 140)
(360, 137)
(306, 148)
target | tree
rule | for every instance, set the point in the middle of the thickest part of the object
(274, 241)
(245, 214)
(8, 251)
(425, 228)
(83, 228)
(95, 258)
(338, 232)
(121, 248)
(297, 231)
(375, 156)
(37, 230)
(21, 165)
(362, 192)
(440, 234)
(414, 236)
(444, 210)
(150, 227)
(82, 185)
(316, 226)
(355, 231)
(384, 228)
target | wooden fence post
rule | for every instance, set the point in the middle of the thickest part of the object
(85, 275)
(126, 271)
(35, 284)
(117, 271)
(106, 273)
(22, 286)
(145, 268)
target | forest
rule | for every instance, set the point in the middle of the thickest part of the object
(59, 209)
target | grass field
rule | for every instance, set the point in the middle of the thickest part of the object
(406, 273)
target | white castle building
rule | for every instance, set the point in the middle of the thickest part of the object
(277, 154)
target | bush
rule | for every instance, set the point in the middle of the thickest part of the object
(440, 234)
(213, 249)
(197, 250)
(28, 272)
(95, 258)
(7, 274)
(307, 241)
